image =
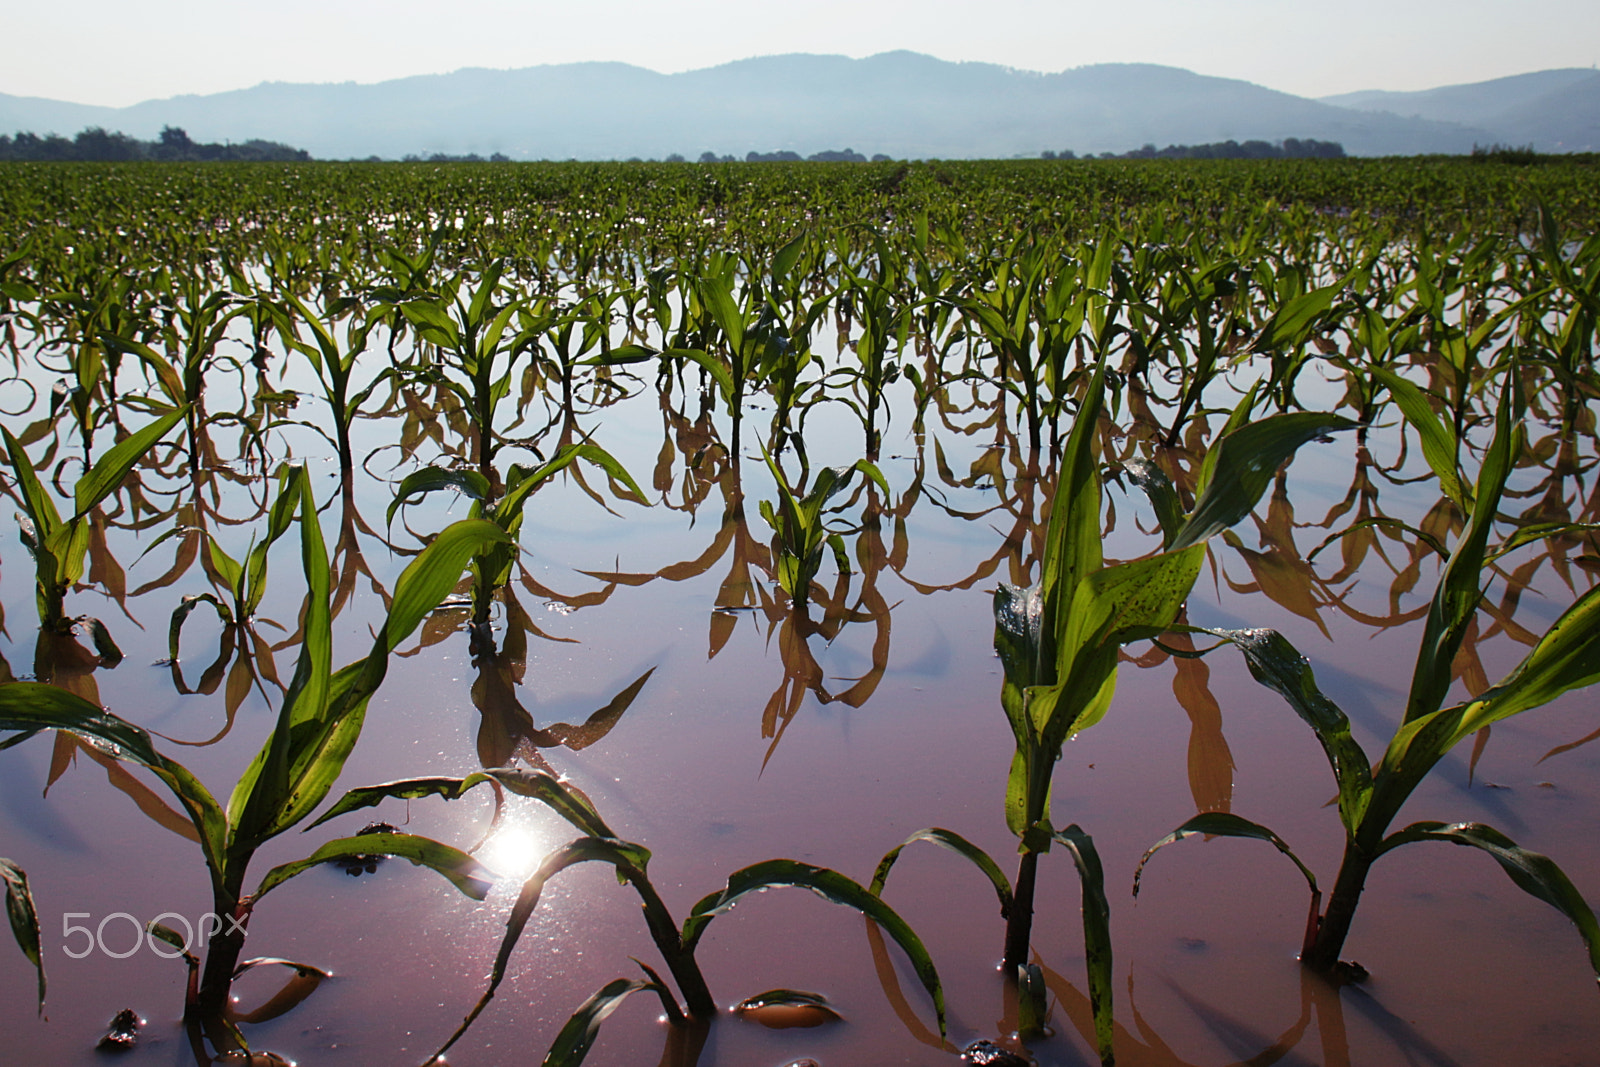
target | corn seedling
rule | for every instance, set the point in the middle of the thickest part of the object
(317, 728)
(58, 546)
(1565, 657)
(599, 843)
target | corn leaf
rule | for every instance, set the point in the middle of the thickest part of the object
(831, 886)
(24, 918)
(1533, 872)
(1096, 934)
(464, 872)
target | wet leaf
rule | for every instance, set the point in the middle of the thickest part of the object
(24, 919)
(831, 886)
(466, 873)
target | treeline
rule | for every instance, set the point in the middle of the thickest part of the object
(832, 155)
(95, 145)
(1289, 148)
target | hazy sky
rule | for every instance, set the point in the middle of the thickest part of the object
(114, 52)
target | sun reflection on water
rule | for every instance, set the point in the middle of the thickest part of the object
(515, 850)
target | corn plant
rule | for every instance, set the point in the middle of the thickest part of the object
(318, 725)
(1565, 657)
(58, 546)
(334, 362)
(799, 525)
(1060, 641)
(599, 843)
(491, 568)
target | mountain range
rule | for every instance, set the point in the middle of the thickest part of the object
(900, 104)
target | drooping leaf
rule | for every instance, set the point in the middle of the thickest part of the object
(1533, 872)
(32, 706)
(1096, 934)
(470, 483)
(831, 886)
(572, 1044)
(1223, 824)
(953, 841)
(627, 857)
(465, 873)
(1279, 666)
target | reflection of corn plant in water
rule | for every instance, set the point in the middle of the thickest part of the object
(1566, 657)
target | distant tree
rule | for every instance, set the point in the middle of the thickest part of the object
(708, 157)
(881, 158)
(675, 158)
(848, 155)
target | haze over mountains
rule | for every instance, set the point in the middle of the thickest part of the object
(901, 104)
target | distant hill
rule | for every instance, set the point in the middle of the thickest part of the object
(1553, 110)
(900, 104)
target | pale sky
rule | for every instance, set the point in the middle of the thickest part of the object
(116, 52)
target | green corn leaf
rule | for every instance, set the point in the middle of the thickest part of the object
(33, 706)
(24, 919)
(1096, 934)
(1439, 445)
(710, 364)
(1279, 666)
(1163, 497)
(1293, 324)
(113, 467)
(1072, 536)
(953, 841)
(1246, 461)
(41, 509)
(511, 504)
(370, 796)
(1567, 657)
(1223, 824)
(1533, 872)
(431, 479)
(1113, 606)
(1539, 531)
(227, 568)
(572, 1044)
(276, 780)
(465, 873)
(432, 576)
(1237, 419)
(1460, 589)
(831, 886)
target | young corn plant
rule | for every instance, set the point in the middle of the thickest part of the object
(800, 529)
(491, 568)
(334, 362)
(318, 725)
(1565, 657)
(1060, 641)
(677, 944)
(58, 546)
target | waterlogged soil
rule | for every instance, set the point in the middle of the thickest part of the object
(752, 739)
